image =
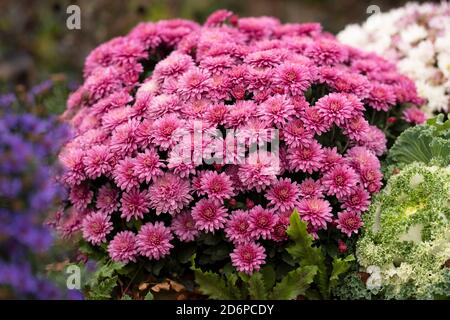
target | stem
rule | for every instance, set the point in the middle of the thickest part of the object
(134, 276)
(372, 119)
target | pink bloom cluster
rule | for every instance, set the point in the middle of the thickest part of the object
(247, 73)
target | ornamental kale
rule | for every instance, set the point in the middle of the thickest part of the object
(405, 244)
(427, 143)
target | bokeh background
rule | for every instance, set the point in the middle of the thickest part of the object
(35, 42)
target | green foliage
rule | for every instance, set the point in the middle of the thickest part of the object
(258, 286)
(295, 283)
(214, 285)
(351, 287)
(426, 143)
(104, 280)
(149, 296)
(303, 252)
(339, 267)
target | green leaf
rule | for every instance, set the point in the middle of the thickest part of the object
(339, 267)
(423, 143)
(104, 280)
(185, 253)
(269, 275)
(256, 288)
(213, 285)
(103, 289)
(304, 253)
(295, 283)
(149, 296)
(126, 297)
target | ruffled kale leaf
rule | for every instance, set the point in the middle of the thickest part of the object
(428, 143)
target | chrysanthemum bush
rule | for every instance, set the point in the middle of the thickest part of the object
(417, 38)
(273, 117)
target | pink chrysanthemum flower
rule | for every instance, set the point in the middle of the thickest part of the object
(295, 133)
(217, 65)
(238, 227)
(195, 108)
(358, 201)
(263, 59)
(209, 215)
(148, 166)
(169, 194)
(195, 83)
(124, 174)
(349, 222)
(98, 161)
(124, 140)
(356, 128)
(96, 226)
(153, 240)
(216, 186)
(115, 117)
(371, 178)
(81, 196)
(259, 173)
(180, 166)
(147, 34)
(218, 17)
(167, 131)
(293, 79)
(256, 131)
(414, 115)
(310, 189)
(134, 204)
(103, 82)
(306, 158)
(216, 113)
(315, 122)
(123, 248)
(161, 105)
(279, 230)
(144, 134)
(262, 222)
(276, 110)
(283, 194)
(326, 52)
(107, 199)
(240, 113)
(340, 181)
(173, 66)
(331, 158)
(315, 211)
(183, 225)
(361, 157)
(374, 140)
(335, 107)
(248, 257)
(350, 82)
(72, 160)
(381, 97)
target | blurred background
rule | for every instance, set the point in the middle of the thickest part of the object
(35, 42)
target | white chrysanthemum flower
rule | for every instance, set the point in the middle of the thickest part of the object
(417, 38)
